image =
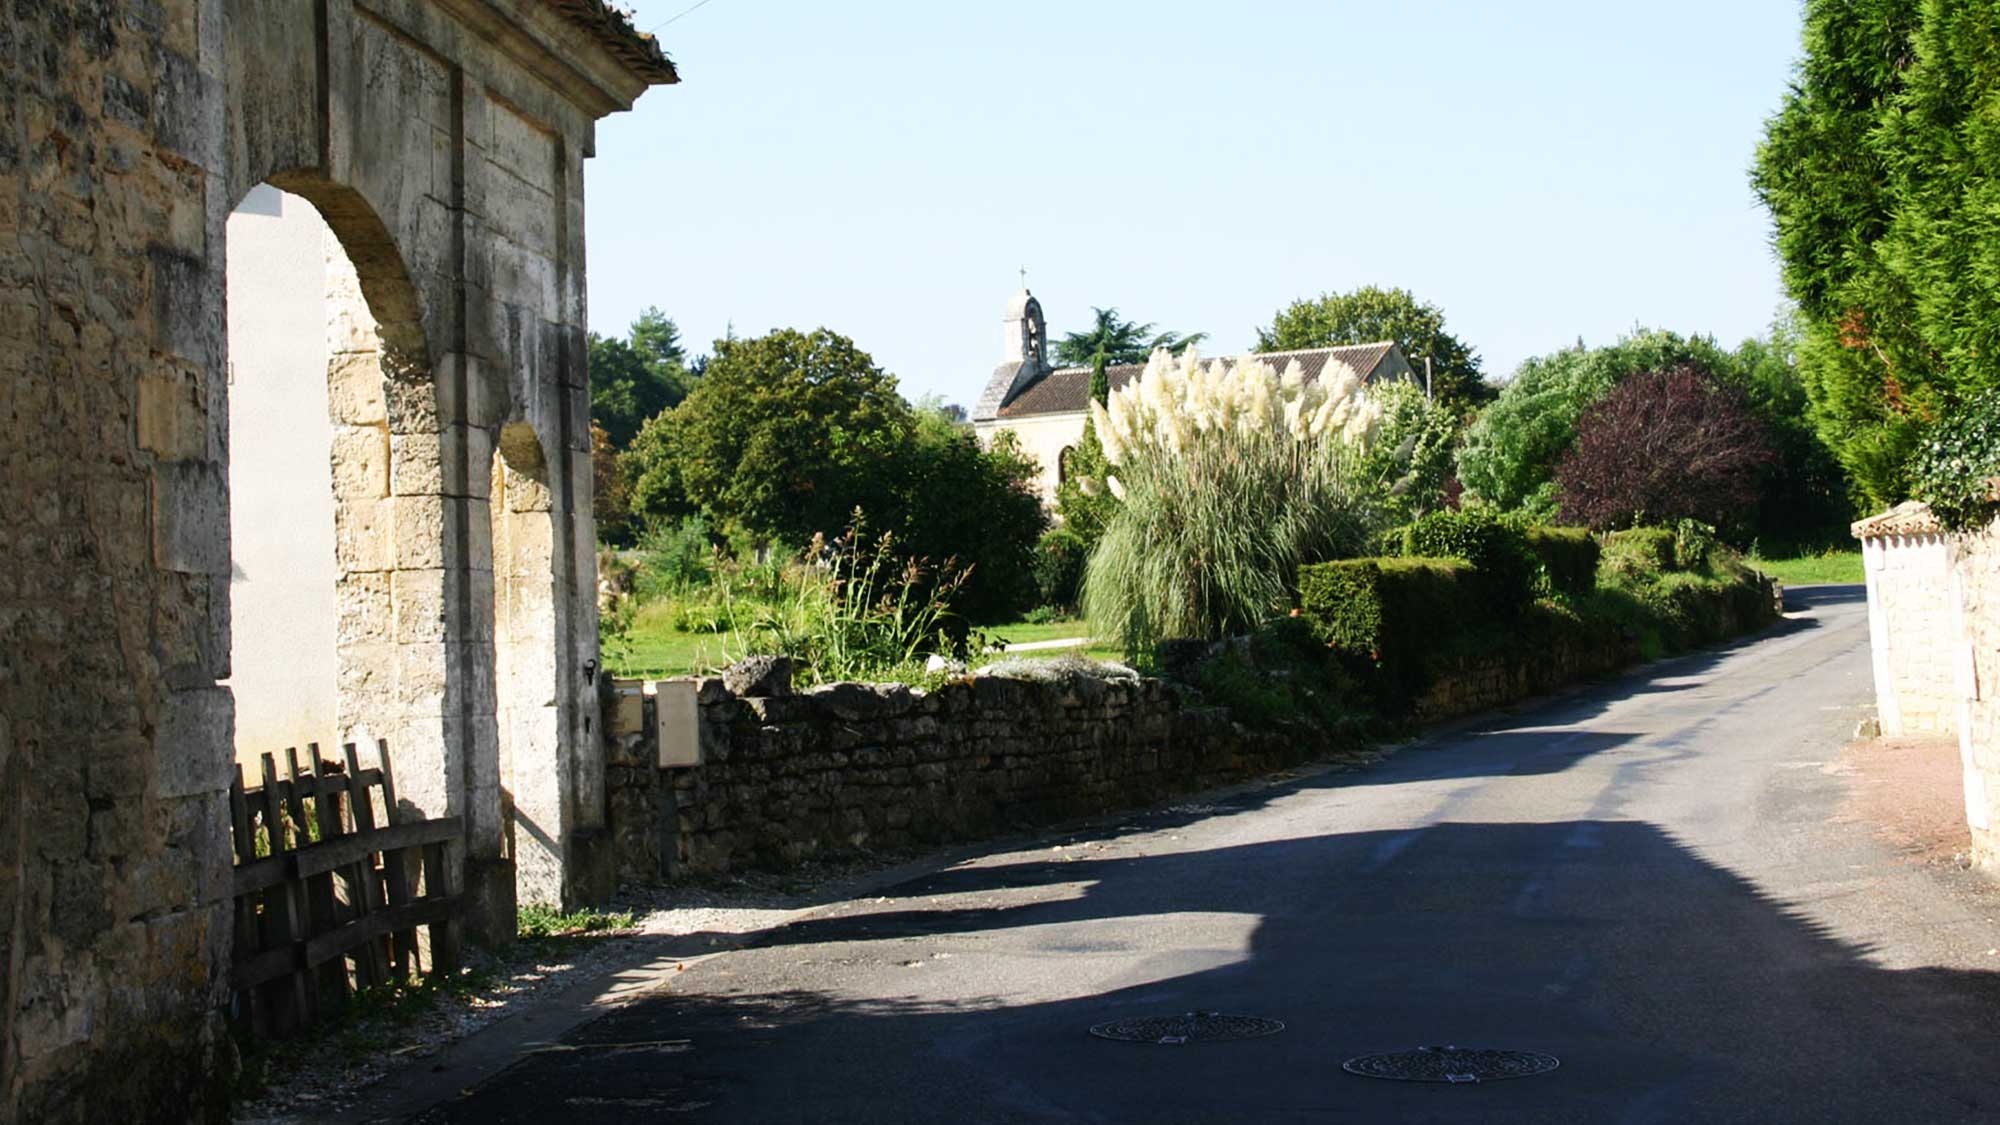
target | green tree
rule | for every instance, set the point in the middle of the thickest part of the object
(974, 507)
(1119, 340)
(633, 379)
(1369, 314)
(1082, 499)
(1511, 451)
(1879, 172)
(784, 436)
(1413, 452)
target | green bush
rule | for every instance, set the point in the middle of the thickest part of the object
(674, 559)
(1638, 552)
(1498, 551)
(1387, 618)
(1568, 557)
(1059, 559)
(1958, 459)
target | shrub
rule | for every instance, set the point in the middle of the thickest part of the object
(1230, 479)
(1661, 447)
(858, 610)
(1958, 460)
(1568, 558)
(1511, 452)
(1635, 554)
(1059, 561)
(1501, 561)
(674, 559)
(1387, 618)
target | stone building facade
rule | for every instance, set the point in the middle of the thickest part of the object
(442, 144)
(1045, 406)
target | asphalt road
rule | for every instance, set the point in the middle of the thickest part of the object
(1648, 880)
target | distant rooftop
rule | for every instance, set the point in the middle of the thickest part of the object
(1066, 390)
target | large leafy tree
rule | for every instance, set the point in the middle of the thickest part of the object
(784, 436)
(1880, 174)
(1119, 340)
(1661, 447)
(635, 378)
(1511, 451)
(1369, 314)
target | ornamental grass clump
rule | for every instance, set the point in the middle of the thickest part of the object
(1229, 477)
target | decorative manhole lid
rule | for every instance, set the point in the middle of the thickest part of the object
(1451, 1064)
(1187, 1027)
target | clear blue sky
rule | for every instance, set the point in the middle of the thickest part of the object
(1541, 170)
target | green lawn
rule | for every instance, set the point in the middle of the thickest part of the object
(1021, 633)
(654, 649)
(1829, 568)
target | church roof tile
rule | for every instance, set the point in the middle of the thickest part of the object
(1066, 390)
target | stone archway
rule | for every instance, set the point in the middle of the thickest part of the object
(445, 141)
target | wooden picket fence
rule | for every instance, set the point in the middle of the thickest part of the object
(330, 896)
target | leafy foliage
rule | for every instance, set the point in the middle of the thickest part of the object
(1503, 568)
(1059, 561)
(1118, 340)
(1568, 558)
(1083, 499)
(1369, 314)
(634, 379)
(1413, 451)
(1661, 447)
(610, 490)
(1878, 172)
(1956, 466)
(859, 609)
(786, 435)
(1511, 451)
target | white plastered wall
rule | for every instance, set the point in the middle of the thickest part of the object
(282, 580)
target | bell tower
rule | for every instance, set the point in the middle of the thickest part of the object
(1027, 335)
(1024, 355)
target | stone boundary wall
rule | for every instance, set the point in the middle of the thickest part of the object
(853, 767)
(848, 768)
(1952, 650)
(1911, 622)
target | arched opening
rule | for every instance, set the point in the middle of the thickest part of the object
(340, 590)
(536, 775)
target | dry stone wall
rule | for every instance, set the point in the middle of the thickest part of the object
(853, 767)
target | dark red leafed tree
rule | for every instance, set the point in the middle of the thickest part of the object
(1663, 446)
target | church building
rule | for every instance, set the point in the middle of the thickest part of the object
(1045, 407)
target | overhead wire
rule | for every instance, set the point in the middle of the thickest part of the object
(670, 19)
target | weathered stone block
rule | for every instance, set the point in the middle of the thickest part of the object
(766, 677)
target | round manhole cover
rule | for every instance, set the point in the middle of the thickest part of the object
(1187, 1027)
(1451, 1064)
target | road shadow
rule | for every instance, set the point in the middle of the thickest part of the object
(1670, 988)
(1801, 598)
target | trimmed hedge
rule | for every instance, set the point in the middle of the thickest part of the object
(1497, 550)
(1386, 618)
(1568, 556)
(1397, 625)
(1642, 550)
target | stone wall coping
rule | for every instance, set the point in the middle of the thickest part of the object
(1911, 517)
